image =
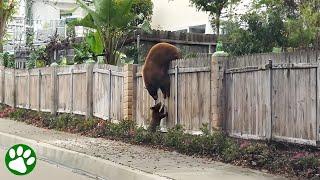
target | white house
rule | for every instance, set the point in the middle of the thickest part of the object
(47, 17)
(177, 15)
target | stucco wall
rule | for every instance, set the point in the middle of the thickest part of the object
(177, 15)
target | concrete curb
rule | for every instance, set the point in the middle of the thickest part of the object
(92, 165)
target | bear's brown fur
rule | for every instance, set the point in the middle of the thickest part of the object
(157, 115)
(155, 69)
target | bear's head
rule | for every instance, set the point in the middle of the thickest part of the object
(157, 115)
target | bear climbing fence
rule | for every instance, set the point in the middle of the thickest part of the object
(262, 96)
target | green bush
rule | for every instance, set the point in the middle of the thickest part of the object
(259, 154)
(308, 162)
(124, 129)
(62, 121)
(230, 151)
(7, 60)
(174, 138)
(50, 122)
(142, 135)
(37, 58)
(18, 114)
(87, 124)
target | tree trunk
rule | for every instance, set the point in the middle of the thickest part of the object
(217, 22)
(2, 24)
(1, 48)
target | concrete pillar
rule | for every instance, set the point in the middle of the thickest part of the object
(218, 63)
(89, 79)
(54, 90)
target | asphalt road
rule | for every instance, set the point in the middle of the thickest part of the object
(43, 171)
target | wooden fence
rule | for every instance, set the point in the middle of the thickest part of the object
(274, 96)
(79, 89)
(263, 96)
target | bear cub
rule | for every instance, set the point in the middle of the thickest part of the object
(157, 115)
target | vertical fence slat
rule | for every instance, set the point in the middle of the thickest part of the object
(28, 86)
(14, 87)
(318, 104)
(71, 91)
(109, 95)
(270, 118)
(3, 85)
(39, 90)
(176, 95)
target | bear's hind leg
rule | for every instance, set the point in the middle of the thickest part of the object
(165, 87)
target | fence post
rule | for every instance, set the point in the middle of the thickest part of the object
(318, 104)
(217, 91)
(269, 123)
(177, 121)
(89, 79)
(128, 94)
(28, 86)
(3, 70)
(71, 90)
(54, 90)
(14, 88)
(39, 90)
(109, 96)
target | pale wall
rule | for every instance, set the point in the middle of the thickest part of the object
(177, 15)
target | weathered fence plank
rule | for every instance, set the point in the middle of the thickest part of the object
(107, 92)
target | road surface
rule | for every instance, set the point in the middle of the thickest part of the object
(43, 170)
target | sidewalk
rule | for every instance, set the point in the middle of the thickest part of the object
(44, 170)
(147, 160)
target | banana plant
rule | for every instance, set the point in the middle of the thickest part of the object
(95, 44)
(111, 21)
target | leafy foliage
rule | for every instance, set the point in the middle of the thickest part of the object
(37, 58)
(7, 60)
(261, 34)
(95, 43)
(303, 31)
(273, 23)
(110, 19)
(7, 9)
(81, 52)
(214, 8)
(143, 9)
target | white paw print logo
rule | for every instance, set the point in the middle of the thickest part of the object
(20, 159)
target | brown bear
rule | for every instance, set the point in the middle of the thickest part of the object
(157, 115)
(155, 69)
